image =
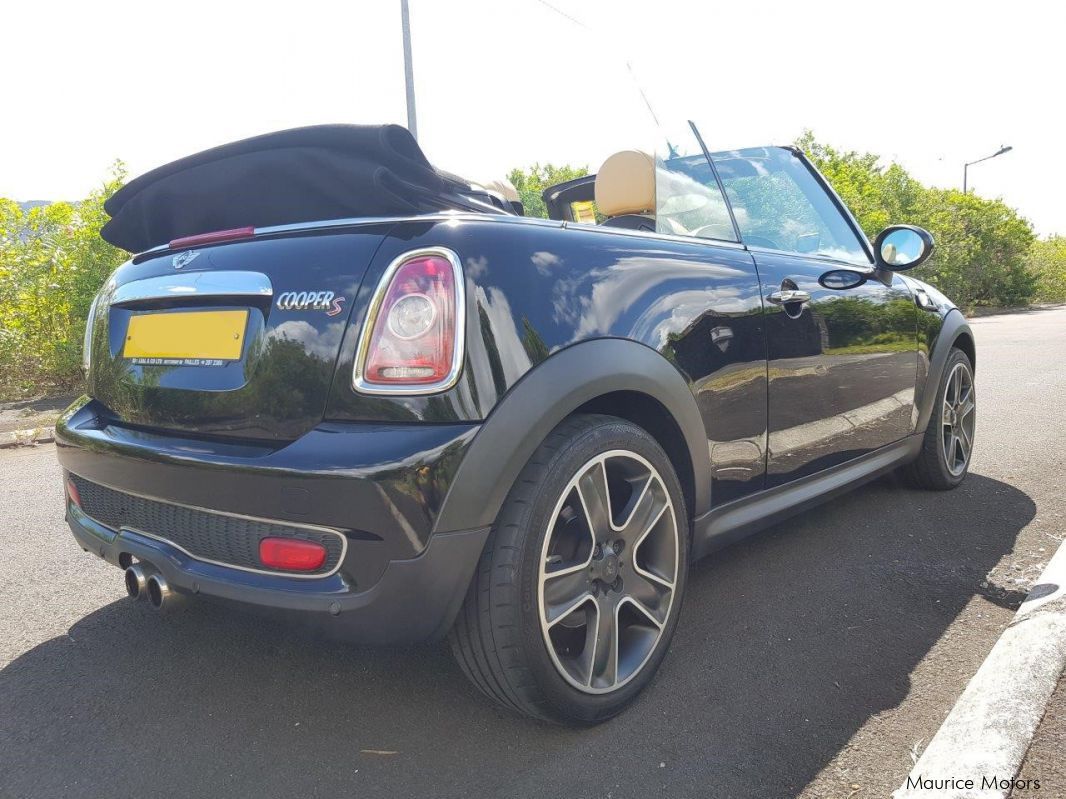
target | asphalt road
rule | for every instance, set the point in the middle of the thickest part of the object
(810, 660)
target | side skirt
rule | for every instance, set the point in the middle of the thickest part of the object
(735, 520)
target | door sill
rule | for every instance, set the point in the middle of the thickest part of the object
(740, 518)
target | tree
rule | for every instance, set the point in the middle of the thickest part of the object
(532, 183)
(982, 246)
(982, 255)
(52, 262)
(1047, 261)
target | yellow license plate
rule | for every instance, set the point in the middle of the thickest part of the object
(212, 335)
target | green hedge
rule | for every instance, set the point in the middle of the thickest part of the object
(52, 261)
(1048, 263)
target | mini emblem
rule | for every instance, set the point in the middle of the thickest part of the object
(310, 301)
(183, 259)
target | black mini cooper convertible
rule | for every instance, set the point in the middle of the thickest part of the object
(346, 387)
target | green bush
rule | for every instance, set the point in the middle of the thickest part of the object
(1047, 260)
(52, 261)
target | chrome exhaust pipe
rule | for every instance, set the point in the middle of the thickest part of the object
(136, 578)
(159, 593)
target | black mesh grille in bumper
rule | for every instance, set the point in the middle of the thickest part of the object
(229, 540)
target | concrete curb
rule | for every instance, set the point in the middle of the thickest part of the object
(25, 438)
(978, 750)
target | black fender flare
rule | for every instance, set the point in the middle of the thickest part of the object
(542, 399)
(953, 326)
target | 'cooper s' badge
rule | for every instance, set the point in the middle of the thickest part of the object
(183, 259)
(310, 301)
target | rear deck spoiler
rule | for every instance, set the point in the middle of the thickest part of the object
(300, 175)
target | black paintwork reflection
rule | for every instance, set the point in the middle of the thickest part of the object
(278, 389)
(930, 323)
(367, 480)
(534, 289)
(724, 354)
(842, 367)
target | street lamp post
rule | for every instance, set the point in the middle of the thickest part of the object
(1003, 149)
(408, 68)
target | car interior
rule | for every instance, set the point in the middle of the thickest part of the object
(503, 193)
(631, 191)
(775, 202)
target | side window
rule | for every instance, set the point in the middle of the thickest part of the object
(688, 201)
(779, 204)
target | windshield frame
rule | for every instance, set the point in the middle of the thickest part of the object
(827, 187)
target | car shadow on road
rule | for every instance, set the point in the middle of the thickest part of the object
(788, 643)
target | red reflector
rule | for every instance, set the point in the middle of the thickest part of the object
(72, 492)
(291, 554)
(209, 238)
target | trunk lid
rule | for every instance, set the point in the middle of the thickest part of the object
(238, 339)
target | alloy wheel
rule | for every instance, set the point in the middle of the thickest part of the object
(958, 417)
(608, 571)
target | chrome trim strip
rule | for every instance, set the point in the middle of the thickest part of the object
(458, 350)
(277, 522)
(287, 575)
(194, 285)
(866, 268)
(87, 338)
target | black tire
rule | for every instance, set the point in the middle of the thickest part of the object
(498, 637)
(931, 469)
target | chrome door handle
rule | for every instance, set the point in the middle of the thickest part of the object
(785, 296)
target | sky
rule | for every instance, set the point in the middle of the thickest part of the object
(503, 83)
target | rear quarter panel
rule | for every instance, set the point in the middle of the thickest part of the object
(535, 288)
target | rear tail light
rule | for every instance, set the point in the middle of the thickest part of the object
(412, 341)
(291, 554)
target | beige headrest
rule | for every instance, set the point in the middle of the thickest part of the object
(625, 184)
(504, 188)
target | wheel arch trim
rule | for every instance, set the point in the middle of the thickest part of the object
(543, 398)
(954, 328)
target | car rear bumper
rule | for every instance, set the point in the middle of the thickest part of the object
(378, 486)
(414, 599)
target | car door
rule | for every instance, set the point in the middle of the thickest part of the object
(841, 339)
(718, 334)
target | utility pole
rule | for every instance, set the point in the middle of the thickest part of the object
(408, 68)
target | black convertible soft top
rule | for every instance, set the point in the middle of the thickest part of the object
(299, 175)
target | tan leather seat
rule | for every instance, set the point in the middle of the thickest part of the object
(625, 190)
(502, 187)
(506, 190)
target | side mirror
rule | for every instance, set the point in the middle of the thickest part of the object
(901, 247)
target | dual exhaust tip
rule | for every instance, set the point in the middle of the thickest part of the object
(144, 580)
